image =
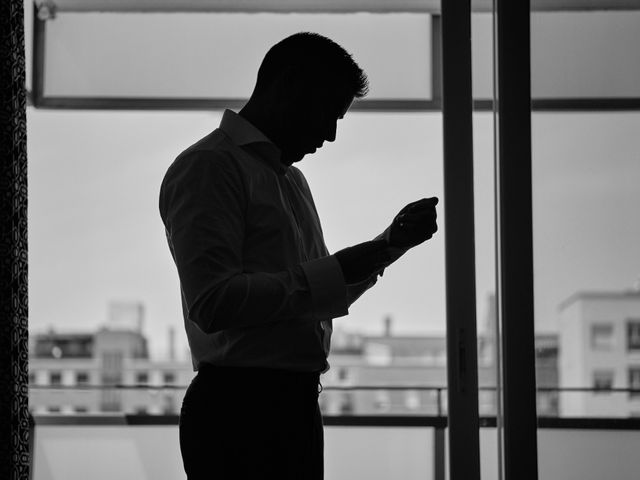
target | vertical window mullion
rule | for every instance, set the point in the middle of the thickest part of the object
(515, 239)
(462, 359)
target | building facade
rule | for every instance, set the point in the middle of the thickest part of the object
(110, 371)
(600, 349)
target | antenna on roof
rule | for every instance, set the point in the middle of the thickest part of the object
(388, 320)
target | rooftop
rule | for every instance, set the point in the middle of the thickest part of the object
(632, 294)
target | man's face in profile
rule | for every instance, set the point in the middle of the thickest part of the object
(311, 121)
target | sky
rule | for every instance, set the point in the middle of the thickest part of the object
(95, 234)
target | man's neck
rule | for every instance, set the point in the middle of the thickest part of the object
(256, 117)
(260, 118)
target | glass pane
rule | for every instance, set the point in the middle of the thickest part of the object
(573, 54)
(105, 315)
(213, 55)
(486, 308)
(117, 450)
(103, 308)
(484, 198)
(585, 233)
(394, 334)
(99, 258)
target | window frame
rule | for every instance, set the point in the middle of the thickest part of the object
(602, 373)
(602, 347)
(633, 335)
(633, 372)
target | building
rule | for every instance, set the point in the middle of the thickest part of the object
(600, 348)
(416, 369)
(104, 372)
(108, 371)
(547, 353)
(420, 362)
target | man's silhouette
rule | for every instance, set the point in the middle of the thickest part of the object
(259, 288)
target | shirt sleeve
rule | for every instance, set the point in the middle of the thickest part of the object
(202, 205)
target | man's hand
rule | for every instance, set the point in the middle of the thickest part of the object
(361, 261)
(414, 224)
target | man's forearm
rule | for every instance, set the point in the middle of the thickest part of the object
(314, 290)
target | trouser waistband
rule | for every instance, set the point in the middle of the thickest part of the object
(257, 376)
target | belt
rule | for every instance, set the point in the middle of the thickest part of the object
(258, 376)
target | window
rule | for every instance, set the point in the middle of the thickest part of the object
(342, 373)
(82, 378)
(112, 367)
(32, 378)
(634, 381)
(169, 406)
(633, 335)
(142, 377)
(55, 378)
(584, 162)
(112, 360)
(169, 377)
(402, 296)
(54, 409)
(346, 405)
(80, 409)
(412, 400)
(602, 337)
(110, 400)
(603, 380)
(382, 402)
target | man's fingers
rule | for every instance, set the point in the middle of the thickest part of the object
(417, 217)
(423, 203)
(419, 223)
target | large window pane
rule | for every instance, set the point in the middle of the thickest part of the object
(214, 55)
(395, 334)
(104, 290)
(573, 55)
(586, 233)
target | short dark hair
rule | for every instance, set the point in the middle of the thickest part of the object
(317, 55)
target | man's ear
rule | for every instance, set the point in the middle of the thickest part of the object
(291, 83)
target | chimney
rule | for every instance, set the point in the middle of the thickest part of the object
(125, 315)
(387, 325)
(140, 317)
(172, 344)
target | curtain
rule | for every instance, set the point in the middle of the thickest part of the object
(14, 412)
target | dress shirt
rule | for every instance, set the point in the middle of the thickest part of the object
(258, 286)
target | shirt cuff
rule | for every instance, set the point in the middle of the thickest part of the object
(328, 288)
(394, 252)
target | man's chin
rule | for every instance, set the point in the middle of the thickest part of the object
(292, 157)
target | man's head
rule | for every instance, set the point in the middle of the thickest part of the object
(306, 82)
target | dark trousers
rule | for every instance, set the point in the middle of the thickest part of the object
(252, 423)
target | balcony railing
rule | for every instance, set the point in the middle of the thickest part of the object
(142, 446)
(359, 399)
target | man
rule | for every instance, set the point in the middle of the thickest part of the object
(259, 288)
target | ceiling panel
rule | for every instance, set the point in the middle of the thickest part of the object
(321, 6)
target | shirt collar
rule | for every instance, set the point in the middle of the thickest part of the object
(244, 134)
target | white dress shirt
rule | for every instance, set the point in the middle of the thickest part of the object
(258, 286)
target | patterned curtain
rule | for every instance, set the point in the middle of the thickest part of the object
(14, 412)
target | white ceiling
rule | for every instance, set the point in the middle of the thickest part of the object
(318, 6)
